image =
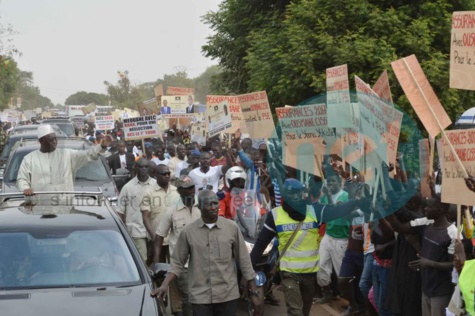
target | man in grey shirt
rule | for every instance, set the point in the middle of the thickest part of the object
(213, 244)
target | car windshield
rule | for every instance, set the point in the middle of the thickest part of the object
(93, 171)
(67, 128)
(65, 258)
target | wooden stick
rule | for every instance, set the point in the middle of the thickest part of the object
(436, 119)
(459, 220)
(431, 159)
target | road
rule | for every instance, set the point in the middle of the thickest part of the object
(331, 309)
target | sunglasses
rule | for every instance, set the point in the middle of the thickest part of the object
(164, 173)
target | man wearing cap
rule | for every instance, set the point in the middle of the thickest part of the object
(51, 169)
(193, 162)
(299, 264)
(178, 216)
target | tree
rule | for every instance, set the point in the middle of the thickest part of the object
(8, 67)
(288, 56)
(233, 23)
(83, 98)
(124, 94)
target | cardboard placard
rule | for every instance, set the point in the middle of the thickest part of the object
(383, 89)
(91, 107)
(141, 127)
(180, 91)
(235, 109)
(256, 112)
(422, 97)
(175, 105)
(338, 97)
(158, 90)
(104, 123)
(198, 133)
(148, 107)
(218, 118)
(462, 50)
(454, 189)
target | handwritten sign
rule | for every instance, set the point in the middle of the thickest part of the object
(218, 118)
(180, 91)
(382, 88)
(454, 189)
(104, 123)
(234, 108)
(462, 51)
(338, 97)
(256, 112)
(141, 127)
(372, 123)
(422, 97)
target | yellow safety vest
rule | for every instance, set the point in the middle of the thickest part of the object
(467, 285)
(302, 255)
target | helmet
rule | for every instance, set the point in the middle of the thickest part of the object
(234, 173)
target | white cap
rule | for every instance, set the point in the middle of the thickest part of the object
(44, 130)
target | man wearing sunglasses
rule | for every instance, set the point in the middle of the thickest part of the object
(156, 200)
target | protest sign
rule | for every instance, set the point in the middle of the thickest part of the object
(454, 189)
(256, 112)
(462, 50)
(141, 127)
(338, 97)
(235, 109)
(218, 118)
(180, 91)
(198, 133)
(78, 120)
(148, 107)
(424, 166)
(158, 90)
(382, 88)
(91, 107)
(175, 104)
(372, 122)
(104, 123)
(422, 97)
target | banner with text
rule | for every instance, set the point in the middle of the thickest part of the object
(180, 91)
(462, 51)
(256, 112)
(104, 123)
(234, 108)
(141, 127)
(218, 118)
(338, 97)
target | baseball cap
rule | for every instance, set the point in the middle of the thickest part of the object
(44, 130)
(293, 184)
(195, 152)
(184, 182)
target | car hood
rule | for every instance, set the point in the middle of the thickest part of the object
(134, 300)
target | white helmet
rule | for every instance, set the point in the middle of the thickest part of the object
(234, 173)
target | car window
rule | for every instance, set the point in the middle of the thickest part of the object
(58, 258)
(93, 171)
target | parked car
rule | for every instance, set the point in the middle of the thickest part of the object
(91, 177)
(70, 257)
(65, 124)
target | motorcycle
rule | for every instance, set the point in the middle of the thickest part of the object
(251, 212)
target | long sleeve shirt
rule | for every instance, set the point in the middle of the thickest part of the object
(54, 171)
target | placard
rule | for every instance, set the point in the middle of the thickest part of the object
(462, 50)
(176, 105)
(235, 109)
(454, 189)
(148, 107)
(422, 97)
(198, 133)
(158, 90)
(382, 88)
(141, 127)
(180, 91)
(256, 112)
(338, 97)
(104, 123)
(218, 118)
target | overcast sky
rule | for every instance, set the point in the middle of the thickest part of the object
(74, 45)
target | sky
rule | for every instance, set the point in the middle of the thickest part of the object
(76, 45)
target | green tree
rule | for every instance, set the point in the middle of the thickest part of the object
(8, 67)
(83, 98)
(203, 83)
(32, 98)
(287, 55)
(124, 93)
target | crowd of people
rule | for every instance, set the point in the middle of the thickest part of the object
(401, 255)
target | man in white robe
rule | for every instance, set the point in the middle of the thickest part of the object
(51, 169)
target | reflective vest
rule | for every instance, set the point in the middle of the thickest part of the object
(302, 255)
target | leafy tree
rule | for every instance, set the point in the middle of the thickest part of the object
(8, 67)
(233, 23)
(124, 94)
(32, 98)
(287, 55)
(203, 83)
(83, 98)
